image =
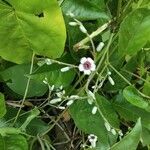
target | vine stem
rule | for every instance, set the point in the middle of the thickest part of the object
(91, 36)
(26, 90)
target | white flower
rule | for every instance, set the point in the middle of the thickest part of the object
(111, 80)
(90, 94)
(56, 100)
(69, 102)
(107, 126)
(100, 47)
(48, 61)
(92, 139)
(61, 107)
(87, 65)
(70, 14)
(113, 131)
(65, 69)
(74, 97)
(120, 133)
(82, 29)
(73, 23)
(45, 81)
(94, 110)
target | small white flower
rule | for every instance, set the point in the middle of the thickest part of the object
(61, 107)
(45, 81)
(100, 47)
(113, 131)
(40, 63)
(107, 126)
(70, 102)
(61, 87)
(82, 29)
(73, 23)
(92, 139)
(94, 110)
(65, 69)
(91, 94)
(70, 14)
(48, 61)
(111, 80)
(74, 96)
(109, 73)
(52, 87)
(87, 65)
(56, 100)
(120, 133)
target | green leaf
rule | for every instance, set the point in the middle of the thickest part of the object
(2, 106)
(106, 107)
(133, 96)
(131, 140)
(130, 112)
(145, 136)
(81, 113)
(13, 142)
(53, 73)
(85, 9)
(134, 32)
(16, 79)
(28, 26)
(146, 88)
(36, 126)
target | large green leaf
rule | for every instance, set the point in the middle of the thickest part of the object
(13, 142)
(85, 9)
(130, 112)
(81, 113)
(16, 79)
(132, 96)
(131, 140)
(89, 123)
(2, 105)
(134, 31)
(29, 25)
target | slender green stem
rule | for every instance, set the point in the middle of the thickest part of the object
(41, 143)
(26, 90)
(120, 74)
(119, 9)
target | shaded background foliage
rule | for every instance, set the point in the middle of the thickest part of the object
(31, 31)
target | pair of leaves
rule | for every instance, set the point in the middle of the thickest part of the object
(134, 32)
(28, 26)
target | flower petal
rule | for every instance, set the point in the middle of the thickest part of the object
(81, 68)
(87, 72)
(93, 67)
(83, 60)
(90, 60)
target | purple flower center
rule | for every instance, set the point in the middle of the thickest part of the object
(87, 65)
